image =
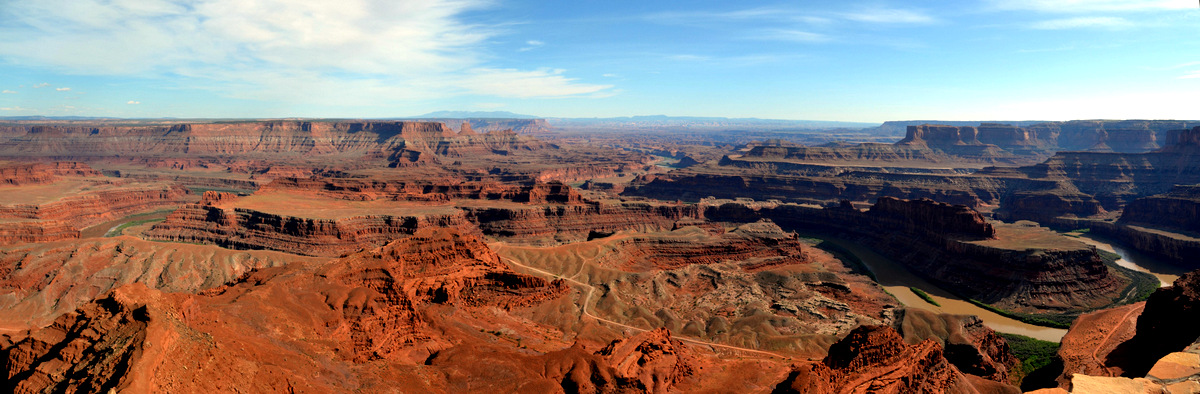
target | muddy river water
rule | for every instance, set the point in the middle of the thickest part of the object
(897, 279)
(1132, 259)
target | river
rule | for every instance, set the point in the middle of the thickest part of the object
(1134, 260)
(897, 279)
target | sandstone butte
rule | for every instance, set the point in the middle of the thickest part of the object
(339, 256)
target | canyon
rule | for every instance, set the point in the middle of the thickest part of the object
(465, 255)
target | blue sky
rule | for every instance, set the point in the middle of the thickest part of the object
(819, 60)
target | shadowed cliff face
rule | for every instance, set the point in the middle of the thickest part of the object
(1176, 210)
(1165, 326)
(939, 219)
(1153, 339)
(876, 359)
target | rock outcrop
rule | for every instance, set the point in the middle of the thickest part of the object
(60, 209)
(759, 245)
(971, 346)
(39, 282)
(305, 327)
(876, 359)
(1162, 327)
(241, 228)
(1177, 210)
(548, 224)
(649, 362)
(1029, 270)
(37, 173)
(357, 189)
(105, 345)
(1092, 338)
(1152, 342)
(931, 218)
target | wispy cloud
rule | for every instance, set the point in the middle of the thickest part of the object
(544, 83)
(6, 91)
(1082, 22)
(792, 35)
(13, 109)
(885, 15)
(699, 17)
(62, 89)
(532, 44)
(40, 85)
(267, 49)
(131, 102)
(1089, 6)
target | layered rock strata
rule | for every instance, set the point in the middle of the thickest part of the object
(90, 201)
(38, 173)
(548, 224)
(968, 344)
(241, 228)
(351, 324)
(429, 191)
(1029, 270)
(876, 359)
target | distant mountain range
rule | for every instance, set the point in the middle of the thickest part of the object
(475, 115)
(699, 122)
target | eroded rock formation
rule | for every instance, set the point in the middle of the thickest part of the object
(35, 173)
(318, 320)
(1153, 342)
(876, 359)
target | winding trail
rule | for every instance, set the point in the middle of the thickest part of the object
(587, 300)
(1124, 320)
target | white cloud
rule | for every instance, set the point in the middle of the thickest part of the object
(40, 85)
(792, 35)
(885, 15)
(13, 109)
(62, 89)
(697, 17)
(131, 102)
(1088, 6)
(526, 84)
(261, 49)
(1191, 74)
(6, 91)
(533, 44)
(1082, 22)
